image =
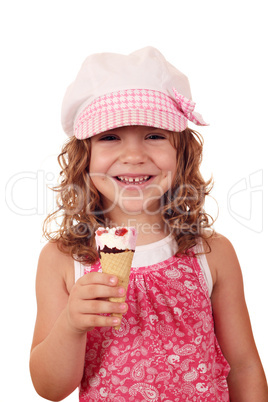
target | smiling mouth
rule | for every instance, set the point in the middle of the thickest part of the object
(133, 180)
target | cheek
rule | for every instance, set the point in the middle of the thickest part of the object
(168, 162)
(99, 180)
(100, 161)
(104, 184)
(94, 165)
(96, 159)
(169, 169)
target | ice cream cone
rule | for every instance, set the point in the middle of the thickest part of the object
(118, 264)
(116, 248)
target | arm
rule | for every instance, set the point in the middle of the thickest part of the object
(63, 319)
(247, 382)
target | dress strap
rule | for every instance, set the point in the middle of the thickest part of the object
(203, 262)
(78, 270)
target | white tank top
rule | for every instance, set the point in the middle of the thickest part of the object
(159, 251)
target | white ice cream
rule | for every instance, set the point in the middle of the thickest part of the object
(113, 237)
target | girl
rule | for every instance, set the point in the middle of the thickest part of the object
(132, 161)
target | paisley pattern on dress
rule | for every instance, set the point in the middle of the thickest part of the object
(166, 349)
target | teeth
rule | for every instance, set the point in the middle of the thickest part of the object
(136, 180)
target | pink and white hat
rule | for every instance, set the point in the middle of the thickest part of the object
(114, 90)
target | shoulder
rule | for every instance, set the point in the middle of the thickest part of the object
(221, 257)
(220, 245)
(51, 253)
(54, 263)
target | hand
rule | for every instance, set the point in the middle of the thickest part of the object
(89, 298)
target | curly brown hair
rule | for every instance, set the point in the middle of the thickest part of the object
(79, 205)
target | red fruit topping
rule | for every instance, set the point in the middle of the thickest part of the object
(100, 232)
(121, 232)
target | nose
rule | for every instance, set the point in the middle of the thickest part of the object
(133, 153)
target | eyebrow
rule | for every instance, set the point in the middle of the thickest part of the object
(156, 129)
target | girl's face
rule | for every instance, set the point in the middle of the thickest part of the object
(132, 167)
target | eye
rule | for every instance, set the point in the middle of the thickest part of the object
(156, 136)
(109, 137)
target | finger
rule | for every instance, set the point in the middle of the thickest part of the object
(102, 307)
(92, 321)
(90, 292)
(98, 278)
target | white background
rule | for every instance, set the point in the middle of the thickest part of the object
(220, 46)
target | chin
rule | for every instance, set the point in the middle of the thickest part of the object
(138, 207)
(132, 207)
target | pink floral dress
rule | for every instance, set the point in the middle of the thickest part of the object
(166, 349)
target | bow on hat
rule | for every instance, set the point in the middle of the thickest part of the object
(186, 107)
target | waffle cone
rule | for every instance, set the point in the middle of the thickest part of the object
(118, 264)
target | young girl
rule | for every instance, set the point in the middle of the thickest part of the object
(131, 160)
